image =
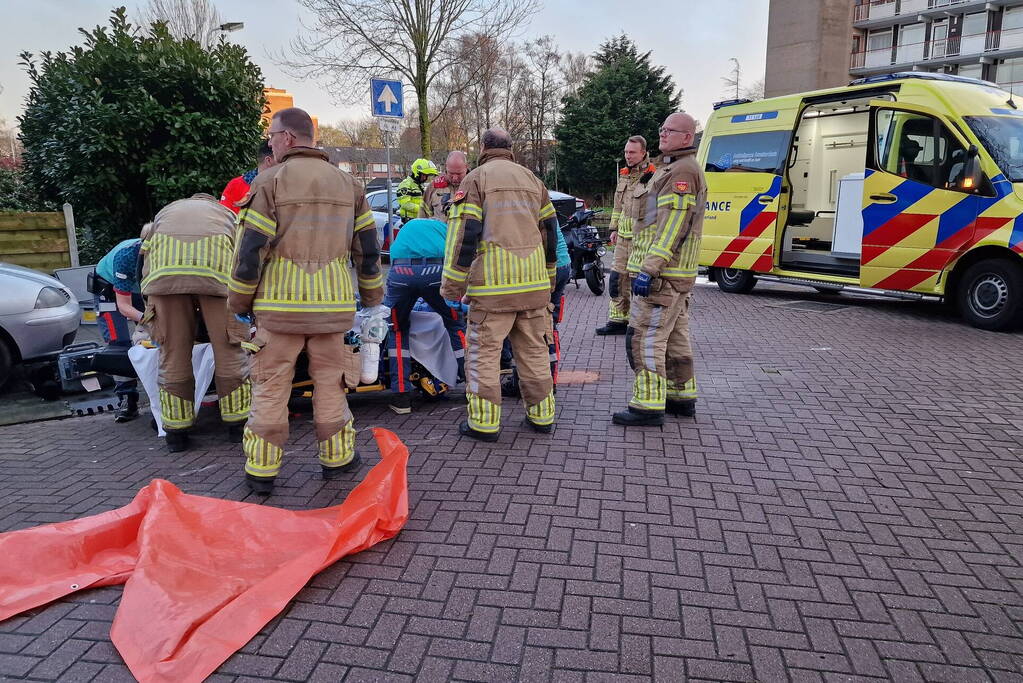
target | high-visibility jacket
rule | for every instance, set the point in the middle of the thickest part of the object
(632, 181)
(189, 248)
(410, 198)
(303, 221)
(502, 241)
(666, 242)
(437, 199)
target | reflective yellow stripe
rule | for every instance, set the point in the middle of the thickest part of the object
(480, 290)
(616, 312)
(364, 221)
(175, 412)
(292, 307)
(262, 458)
(688, 390)
(235, 406)
(370, 283)
(210, 257)
(484, 416)
(473, 210)
(543, 412)
(671, 200)
(456, 275)
(288, 287)
(649, 391)
(254, 219)
(241, 287)
(339, 449)
(547, 211)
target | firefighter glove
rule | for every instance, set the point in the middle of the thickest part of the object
(641, 284)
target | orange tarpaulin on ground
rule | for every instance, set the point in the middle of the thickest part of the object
(202, 575)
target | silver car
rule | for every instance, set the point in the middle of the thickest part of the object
(39, 316)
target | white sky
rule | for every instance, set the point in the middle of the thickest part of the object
(694, 39)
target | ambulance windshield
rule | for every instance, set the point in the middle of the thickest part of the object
(1002, 137)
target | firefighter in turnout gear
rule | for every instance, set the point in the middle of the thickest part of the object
(629, 203)
(298, 228)
(437, 198)
(185, 271)
(501, 252)
(410, 190)
(662, 265)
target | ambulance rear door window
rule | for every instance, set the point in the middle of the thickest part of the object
(761, 152)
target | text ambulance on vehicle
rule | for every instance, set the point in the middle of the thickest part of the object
(906, 185)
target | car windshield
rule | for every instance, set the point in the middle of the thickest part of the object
(1002, 137)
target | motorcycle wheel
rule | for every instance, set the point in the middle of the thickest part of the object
(595, 279)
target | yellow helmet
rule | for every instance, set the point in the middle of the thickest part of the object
(424, 167)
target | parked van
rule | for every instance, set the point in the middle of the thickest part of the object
(907, 185)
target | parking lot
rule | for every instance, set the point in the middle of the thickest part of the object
(847, 505)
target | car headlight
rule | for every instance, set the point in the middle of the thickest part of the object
(51, 297)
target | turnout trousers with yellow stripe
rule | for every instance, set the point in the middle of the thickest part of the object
(173, 321)
(273, 370)
(618, 306)
(659, 347)
(530, 333)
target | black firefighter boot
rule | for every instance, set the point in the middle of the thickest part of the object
(683, 408)
(638, 418)
(177, 440)
(235, 432)
(612, 327)
(262, 486)
(128, 408)
(465, 430)
(329, 473)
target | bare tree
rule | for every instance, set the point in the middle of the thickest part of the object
(733, 82)
(574, 69)
(417, 40)
(539, 94)
(195, 19)
(755, 91)
(361, 132)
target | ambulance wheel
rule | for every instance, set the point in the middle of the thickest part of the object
(990, 295)
(735, 281)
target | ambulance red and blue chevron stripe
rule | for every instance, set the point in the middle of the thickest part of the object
(907, 185)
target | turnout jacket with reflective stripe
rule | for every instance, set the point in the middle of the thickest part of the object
(666, 242)
(301, 224)
(189, 249)
(502, 239)
(631, 185)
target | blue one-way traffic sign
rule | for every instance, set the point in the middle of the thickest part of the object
(386, 98)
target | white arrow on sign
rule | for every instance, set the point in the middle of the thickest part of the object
(387, 98)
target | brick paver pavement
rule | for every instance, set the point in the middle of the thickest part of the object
(848, 505)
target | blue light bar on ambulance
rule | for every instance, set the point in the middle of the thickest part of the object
(730, 103)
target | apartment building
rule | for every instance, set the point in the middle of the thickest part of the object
(974, 38)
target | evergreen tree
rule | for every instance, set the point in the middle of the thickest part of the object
(624, 95)
(135, 119)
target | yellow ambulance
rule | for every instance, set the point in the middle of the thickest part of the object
(907, 185)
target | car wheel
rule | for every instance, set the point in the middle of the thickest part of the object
(6, 362)
(990, 295)
(735, 281)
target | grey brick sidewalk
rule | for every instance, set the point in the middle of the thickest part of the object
(848, 505)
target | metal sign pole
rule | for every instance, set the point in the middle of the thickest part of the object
(387, 147)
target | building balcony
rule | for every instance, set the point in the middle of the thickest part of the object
(965, 49)
(882, 13)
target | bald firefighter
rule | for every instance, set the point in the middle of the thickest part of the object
(629, 203)
(301, 223)
(662, 265)
(501, 253)
(185, 271)
(410, 190)
(438, 194)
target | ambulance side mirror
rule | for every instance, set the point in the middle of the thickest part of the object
(971, 177)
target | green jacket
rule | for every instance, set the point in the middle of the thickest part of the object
(410, 196)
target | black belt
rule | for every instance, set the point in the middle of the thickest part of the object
(415, 261)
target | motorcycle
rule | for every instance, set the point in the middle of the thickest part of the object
(586, 249)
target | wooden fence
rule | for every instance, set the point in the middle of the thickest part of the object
(41, 241)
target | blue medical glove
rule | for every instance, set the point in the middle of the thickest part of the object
(457, 305)
(641, 284)
(244, 318)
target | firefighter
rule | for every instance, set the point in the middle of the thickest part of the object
(410, 190)
(301, 223)
(417, 258)
(438, 194)
(238, 187)
(662, 266)
(501, 253)
(629, 196)
(185, 271)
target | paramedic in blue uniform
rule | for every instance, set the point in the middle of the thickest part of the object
(417, 259)
(510, 384)
(118, 300)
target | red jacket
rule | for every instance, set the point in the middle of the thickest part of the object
(236, 190)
